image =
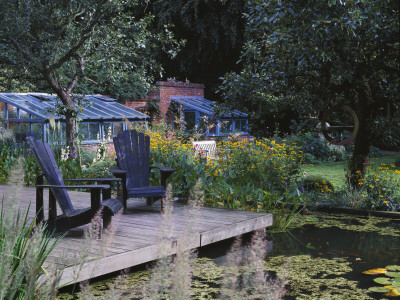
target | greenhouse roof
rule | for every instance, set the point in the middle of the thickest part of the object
(99, 108)
(203, 105)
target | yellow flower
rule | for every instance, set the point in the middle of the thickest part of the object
(385, 202)
(362, 195)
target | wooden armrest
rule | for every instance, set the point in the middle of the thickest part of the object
(163, 169)
(118, 171)
(93, 179)
(94, 186)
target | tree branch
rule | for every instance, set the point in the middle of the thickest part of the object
(77, 75)
(86, 33)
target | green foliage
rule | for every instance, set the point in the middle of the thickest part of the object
(8, 157)
(259, 176)
(100, 43)
(81, 47)
(310, 56)
(23, 250)
(380, 192)
(322, 62)
(31, 169)
(397, 163)
(317, 149)
(100, 169)
(318, 184)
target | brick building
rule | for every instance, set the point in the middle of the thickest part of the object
(189, 97)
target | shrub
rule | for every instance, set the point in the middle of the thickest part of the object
(397, 163)
(8, 156)
(318, 184)
(100, 169)
(380, 191)
(317, 149)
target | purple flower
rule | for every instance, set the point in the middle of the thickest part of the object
(261, 183)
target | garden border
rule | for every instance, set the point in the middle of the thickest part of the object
(353, 211)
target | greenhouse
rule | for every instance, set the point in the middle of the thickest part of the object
(198, 111)
(33, 114)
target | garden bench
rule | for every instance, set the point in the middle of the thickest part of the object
(205, 148)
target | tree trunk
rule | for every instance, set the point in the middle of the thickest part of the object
(357, 166)
(68, 110)
(70, 123)
(71, 130)
(358, 163)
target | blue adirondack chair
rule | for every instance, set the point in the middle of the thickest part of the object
(70, 216)
(133, 158)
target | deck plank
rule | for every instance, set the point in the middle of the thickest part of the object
(140, 233)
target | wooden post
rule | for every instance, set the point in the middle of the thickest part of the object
(52, 206)
(39, 200)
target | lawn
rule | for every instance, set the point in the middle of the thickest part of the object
(335, 172)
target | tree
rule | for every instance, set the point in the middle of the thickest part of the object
(81, 46)
(315, 55)
(213, 31)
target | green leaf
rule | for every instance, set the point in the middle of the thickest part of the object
(393, 268)
(393, 274)
(383, 280)
(378, 289)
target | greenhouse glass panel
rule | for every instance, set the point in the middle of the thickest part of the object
(37, 129)
(55, 134)
(12, 112)
(23, 114)
(225, 126)
(117, 128)
(24, 127)
(83, 131)
(240, 126)
(107, 130)
(190, 119)
(94, 133)
(3, 108)
(212, 127)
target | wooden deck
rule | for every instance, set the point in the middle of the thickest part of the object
(139, 234)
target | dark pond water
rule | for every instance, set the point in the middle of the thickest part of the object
(362, 243)
(328, 252)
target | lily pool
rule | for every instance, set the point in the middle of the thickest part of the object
(324, 254)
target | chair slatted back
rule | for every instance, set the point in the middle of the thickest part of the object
(208, 148)
(48, 165)
(133, 155)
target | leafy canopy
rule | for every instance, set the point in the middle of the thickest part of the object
(310, 55)
(91, 45)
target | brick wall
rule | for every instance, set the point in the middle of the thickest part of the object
(166, 89)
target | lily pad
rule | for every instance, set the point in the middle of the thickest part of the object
(393, 274)
(376, 271)
(379, 289)
(396, 285)
(383, 280)
(393, 268)
(393, 293)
